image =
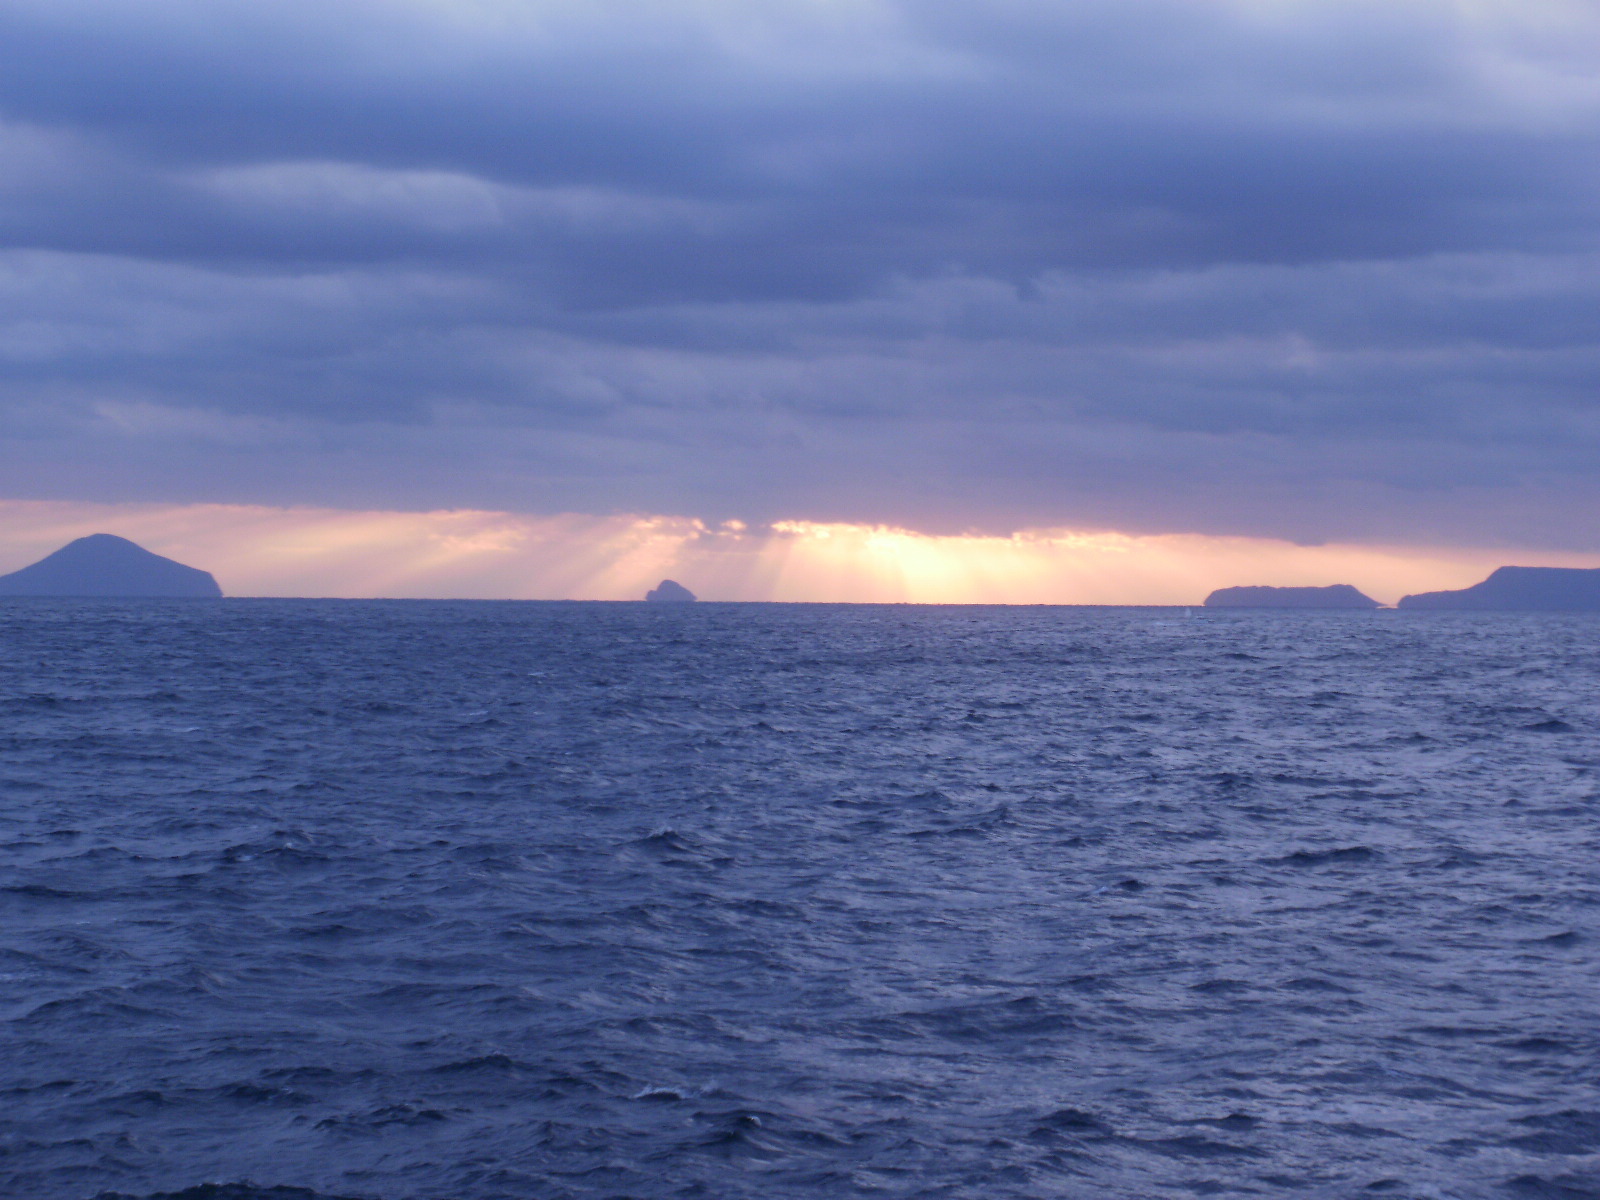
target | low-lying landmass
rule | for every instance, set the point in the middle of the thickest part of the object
(1537, 589)
(1338, 595)
(110, 567)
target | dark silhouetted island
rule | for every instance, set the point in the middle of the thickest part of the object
(108, 566)
(1537, 589)
(1338, 595)
(670, 593)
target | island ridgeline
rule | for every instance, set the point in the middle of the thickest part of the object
(1533, 589)
(1338, 595)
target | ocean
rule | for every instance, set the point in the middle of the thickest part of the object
(493, 901)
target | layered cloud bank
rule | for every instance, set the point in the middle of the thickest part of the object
(1308, 269)
(257, 551)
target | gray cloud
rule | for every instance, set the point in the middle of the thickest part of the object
(1318, 270)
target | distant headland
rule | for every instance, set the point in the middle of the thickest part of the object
(110, 567)
(1539, 589)
(670, 593)
(1507, 589)
(1338, 595)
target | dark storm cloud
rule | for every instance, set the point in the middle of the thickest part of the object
(1312, 268)
(837, 146)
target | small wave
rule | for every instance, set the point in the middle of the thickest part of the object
(1234, 1120)
(1221, 987)
(1320, 858)
(665, 1094)
(1561, 1187)
(1573, 1131)
(1538, 1045)
(1559, 940)
(1073, 1121)
(1194, 1146)
(379, 1118)
(483, 1062)
(231, 1191)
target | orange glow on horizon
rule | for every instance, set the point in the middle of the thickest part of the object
(261, 551)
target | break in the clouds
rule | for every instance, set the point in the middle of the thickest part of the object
(1308, 269)
(259, 551)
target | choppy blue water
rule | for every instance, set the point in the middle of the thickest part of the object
(469, 901)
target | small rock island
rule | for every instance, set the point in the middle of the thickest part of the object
(109, 567)
(1338, 595)
(1531, 589)
(670, 593)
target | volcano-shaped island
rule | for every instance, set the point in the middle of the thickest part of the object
(110, 567)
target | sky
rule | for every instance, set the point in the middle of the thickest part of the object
(1050, 299)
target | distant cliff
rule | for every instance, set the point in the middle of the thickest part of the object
(104, 565)
(1338, 595)
(669, 593)
(1539, 589)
